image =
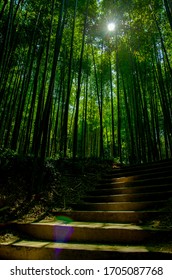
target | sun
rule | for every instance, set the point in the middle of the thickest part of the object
(111, 26)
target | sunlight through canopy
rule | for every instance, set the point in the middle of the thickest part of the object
(111, 26)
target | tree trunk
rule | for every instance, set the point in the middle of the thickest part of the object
(75, 135)
(48, 106)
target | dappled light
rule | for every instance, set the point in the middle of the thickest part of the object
(128, 179)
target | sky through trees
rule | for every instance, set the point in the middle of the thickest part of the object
(70, 86)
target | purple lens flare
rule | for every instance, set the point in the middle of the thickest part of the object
(62, 232)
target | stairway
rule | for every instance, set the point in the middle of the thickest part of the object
(109, 223)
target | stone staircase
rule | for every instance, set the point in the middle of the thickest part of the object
(109, 223)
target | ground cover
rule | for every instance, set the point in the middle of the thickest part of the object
(30, 189)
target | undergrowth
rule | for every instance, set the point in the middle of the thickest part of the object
(28, 185)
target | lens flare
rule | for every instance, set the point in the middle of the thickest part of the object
(62, 232)
(64, 219)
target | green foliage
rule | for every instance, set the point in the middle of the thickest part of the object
(125, 90)
(25, 181)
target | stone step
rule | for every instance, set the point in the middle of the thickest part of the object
(128, 190)
(107, 216)
(83, 232)
(120, 206)
(43, 250)
(130, 181)
(142, 168)
(140, 175)
(129, 197)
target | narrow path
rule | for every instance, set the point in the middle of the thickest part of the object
(109, 223)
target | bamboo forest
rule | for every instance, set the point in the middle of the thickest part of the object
(86, 133)
(86, 79)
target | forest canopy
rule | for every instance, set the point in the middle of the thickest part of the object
(70, 87)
